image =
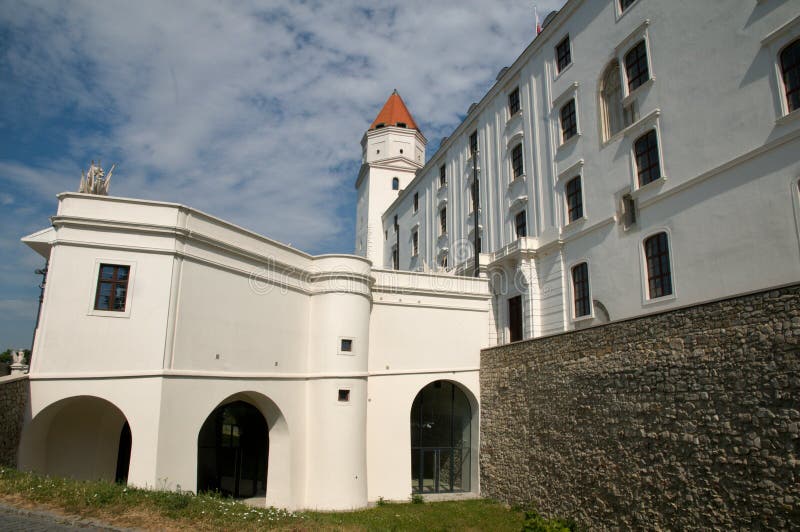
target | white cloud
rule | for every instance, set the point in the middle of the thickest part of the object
(248, 111)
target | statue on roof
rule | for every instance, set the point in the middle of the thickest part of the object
(95, 180)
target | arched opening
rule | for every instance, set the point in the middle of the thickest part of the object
(441, 438)
(233, 450)
(395, 183)
(83, 437)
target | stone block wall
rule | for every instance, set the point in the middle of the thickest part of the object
(684, 419)
(13, 401)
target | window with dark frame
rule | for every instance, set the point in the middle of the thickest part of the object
(625, 4)
(659, 276)
(112, 287)
(574, 199)
(442, 176)
(416, 201)
(346, 345)
(415, 243)
(473, 142)
(515, 319)
(563, 54)
(569, 125)
(395, 183)
(645, 148)
(513, 102)
(521, 224)
(443, 220)
(636, 66)
(790, 68)
(580, 290)
(516, 160)
(344, 395)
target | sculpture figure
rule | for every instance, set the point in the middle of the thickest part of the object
(95, 181)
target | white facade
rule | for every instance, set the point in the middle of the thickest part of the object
(728, 150)
(333, 350)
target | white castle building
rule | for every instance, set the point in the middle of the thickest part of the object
(638, 156)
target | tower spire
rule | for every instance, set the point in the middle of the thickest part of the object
(394, 113)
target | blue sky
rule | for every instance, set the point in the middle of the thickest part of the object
(252, 112)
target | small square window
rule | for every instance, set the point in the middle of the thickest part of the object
(346, 345)
(563, 54)
(344, 395)
(112, 287)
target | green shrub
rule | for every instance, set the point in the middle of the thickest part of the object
(536, 523)
(416, 498)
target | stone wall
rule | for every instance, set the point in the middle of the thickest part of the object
(685, 419)
(13, 401)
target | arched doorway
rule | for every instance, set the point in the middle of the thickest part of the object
(83, 437)
(441, 433)
(232, 451)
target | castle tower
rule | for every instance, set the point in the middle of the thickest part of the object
(393, 149)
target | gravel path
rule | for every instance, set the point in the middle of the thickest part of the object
(17, 519)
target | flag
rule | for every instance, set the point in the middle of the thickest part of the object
(536, 15)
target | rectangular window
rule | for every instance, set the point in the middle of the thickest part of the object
(569, 124)
(516, 160)
(443, 220)
(395, 259)
(636, 66)
(521, 224)
(645, 149)
(415, 243)
(442, 176)
(473, 142)
(112, 287)
(344, 395)
(563, 54)
(790, 70)
(628, 211)
(515, 318)
(513, 102)
(659, 276)
(574, 199)
(416, 201)
(347, 345)
(580, 290)
(480, 245)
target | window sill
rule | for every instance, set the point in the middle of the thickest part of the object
(517, 179)
(561, 72)
(572, 140)
(626, 101)
(111, 313)
(657, 300)
(513, 118)
(581, 319)
(652, 185)
(575, 224)
(788, 118)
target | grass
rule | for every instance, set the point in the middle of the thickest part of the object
(131, 507)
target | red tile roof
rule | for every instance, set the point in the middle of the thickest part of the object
(394, 112)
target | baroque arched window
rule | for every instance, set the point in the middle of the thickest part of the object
(790, 69)
(395, 184)
(611, 101)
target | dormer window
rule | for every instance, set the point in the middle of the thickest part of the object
(402, 124)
